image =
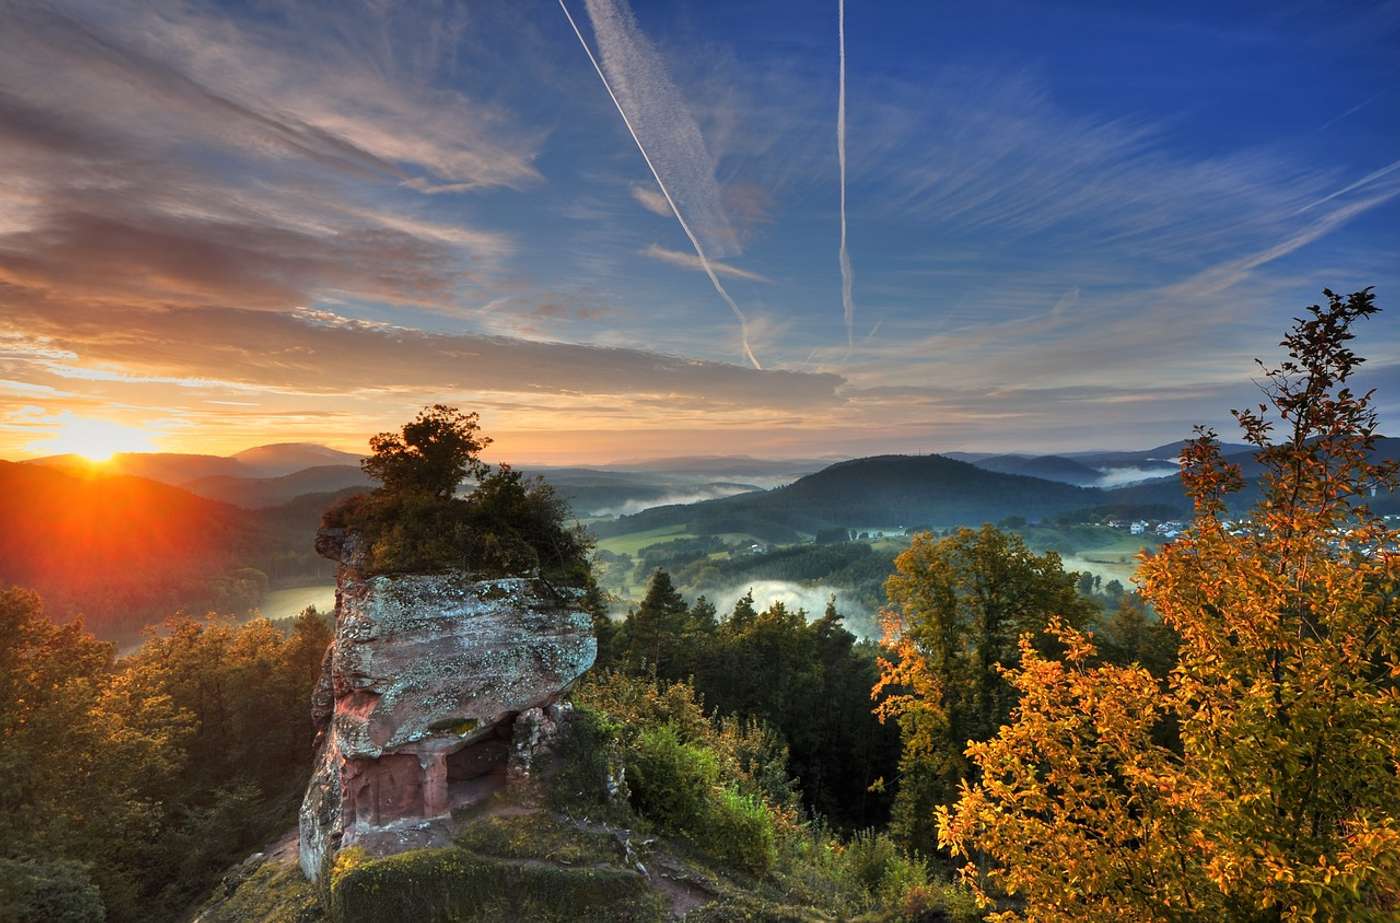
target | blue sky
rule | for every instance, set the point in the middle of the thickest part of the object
(1070, 227)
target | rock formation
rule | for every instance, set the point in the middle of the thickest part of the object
(436, 689)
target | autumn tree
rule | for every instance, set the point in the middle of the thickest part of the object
(957, 607)
(1283, 799)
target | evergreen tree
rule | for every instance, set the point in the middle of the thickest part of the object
(654, 633)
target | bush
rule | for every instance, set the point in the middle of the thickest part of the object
(740, 830)
(670, 781)
(867, 860)
(590, 763)
(48, 892)
(508, 525)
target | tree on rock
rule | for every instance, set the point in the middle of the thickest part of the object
(431, 455)
(508, 525)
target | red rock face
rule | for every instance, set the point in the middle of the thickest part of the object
(383, 790)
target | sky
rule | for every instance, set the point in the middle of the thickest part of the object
(226, 224)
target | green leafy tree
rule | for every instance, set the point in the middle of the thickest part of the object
(431, 455)
(957, 607)
(653, 635)
(143, 779)
(809, 681)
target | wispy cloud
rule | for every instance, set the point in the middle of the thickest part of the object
(652, 200)
(690, 261)
(654, 103)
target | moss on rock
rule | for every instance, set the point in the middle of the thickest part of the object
(462, 886)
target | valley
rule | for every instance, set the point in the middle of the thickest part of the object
(233, 535)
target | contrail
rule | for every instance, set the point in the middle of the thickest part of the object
(694, 241)
(847, 274)
(1364, 181)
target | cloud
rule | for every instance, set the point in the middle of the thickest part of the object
(176, 181)
(652, 200)
(690, 261)
(343, 79)
(661, 119)
(319, 353)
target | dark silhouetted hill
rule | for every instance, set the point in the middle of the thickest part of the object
(258, 493)
(1046, 467)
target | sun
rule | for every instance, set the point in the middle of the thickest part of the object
(94, 439)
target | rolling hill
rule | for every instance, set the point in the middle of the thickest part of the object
(258, 493)
(166, 467)
(125, 551)
(1163, 454)
(1046, 467)
(902, 490)
(283, 458)
(882, 491)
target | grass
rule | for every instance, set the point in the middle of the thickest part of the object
(538, 836)
(275, 893)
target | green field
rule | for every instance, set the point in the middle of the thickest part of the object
(1111, 554)
(633, 542)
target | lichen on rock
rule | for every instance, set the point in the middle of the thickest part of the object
(417, 708)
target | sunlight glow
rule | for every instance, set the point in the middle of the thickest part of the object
(93, 439)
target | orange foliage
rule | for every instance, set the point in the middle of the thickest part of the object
(1282, 800)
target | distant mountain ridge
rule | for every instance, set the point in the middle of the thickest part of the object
(1047, 467)
(260, 492)
(919, 490)
(177, 468)
(282, 458)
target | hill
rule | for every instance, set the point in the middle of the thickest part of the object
(265, 461)
(124, 551)
(883, 491)
(724, 465)
(113, 546)
(166, 467)
(258, 493)
(1046, 467)
(284, 458)
(1161, 455)
(1168, 490)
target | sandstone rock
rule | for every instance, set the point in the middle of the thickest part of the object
(535, 733)
(427, 675)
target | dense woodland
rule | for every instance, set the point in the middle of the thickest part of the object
(1223, 746)
(131, 785)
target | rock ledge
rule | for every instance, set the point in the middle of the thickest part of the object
(419, 694)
